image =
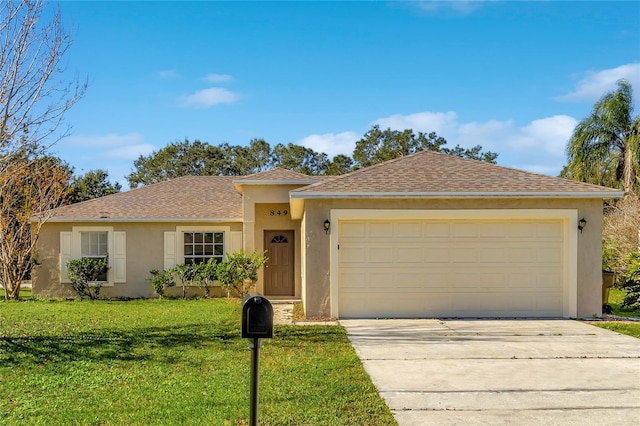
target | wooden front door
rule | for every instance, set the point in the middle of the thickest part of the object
(278, 274)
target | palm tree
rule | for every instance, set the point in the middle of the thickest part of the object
(605, 146)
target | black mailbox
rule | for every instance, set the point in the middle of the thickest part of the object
(257, 317)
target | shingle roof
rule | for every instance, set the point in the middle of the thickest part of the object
(432, 173)
(187, 198)
(277, 174)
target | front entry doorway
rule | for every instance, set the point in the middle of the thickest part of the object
(278, 274)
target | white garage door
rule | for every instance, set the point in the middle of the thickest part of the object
(450, 268)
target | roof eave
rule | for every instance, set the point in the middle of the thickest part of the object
(302, 182)
(563, 194)
(138, 220)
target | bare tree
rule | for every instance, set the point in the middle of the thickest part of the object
(34, 97)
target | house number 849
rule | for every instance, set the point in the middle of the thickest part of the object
(278, 212)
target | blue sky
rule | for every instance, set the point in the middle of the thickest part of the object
(514, 77)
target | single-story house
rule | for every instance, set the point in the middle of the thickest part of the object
(425, 235)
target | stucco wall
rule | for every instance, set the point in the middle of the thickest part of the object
(258, 203)
(144, 251)
(317, 252)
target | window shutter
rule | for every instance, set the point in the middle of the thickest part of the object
(235, 241)
(169, 250)
(120, 257)
(65, 255)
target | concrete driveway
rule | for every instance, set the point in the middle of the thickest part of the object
(501, 372)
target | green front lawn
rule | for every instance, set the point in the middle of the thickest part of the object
(616, 297)
(631, 328)
(170, 362)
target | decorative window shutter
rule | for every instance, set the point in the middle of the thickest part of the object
(120, 257)
(169, 250)
(65, 254)
(235, 241)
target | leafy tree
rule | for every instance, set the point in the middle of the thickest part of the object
(340, 165)
(33, 101)
(93, 184)
(299, 159)
(245, 160)
(379, 145)
(200, 159)
(605, 146)
(175, 160)
(239, 271)
(474, 153)
(29, 189)
(85, 274)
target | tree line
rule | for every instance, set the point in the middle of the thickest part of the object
(203, 159)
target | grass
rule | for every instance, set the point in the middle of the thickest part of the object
(630, 328)
(615, 300)
(172, 362)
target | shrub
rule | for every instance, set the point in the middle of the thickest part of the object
(239, 271)
(630, 281)
(205, 274)
(160, 281)
(620, 233)
(184, 274)
(84, 275)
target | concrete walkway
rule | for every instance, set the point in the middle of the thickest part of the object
(501, 372)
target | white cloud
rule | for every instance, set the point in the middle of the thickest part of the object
(131, 152)
(209, 97)
(110, 146)
(167, 74)
(109, 140)
(112, 152)
(538, 146)
(439, 122)
(595, 84)
(330, 143)
(463, 7)
(218, 78)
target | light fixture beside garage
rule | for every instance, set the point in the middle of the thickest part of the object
(327, 225)
(581, 224)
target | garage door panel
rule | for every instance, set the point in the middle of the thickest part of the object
(464, 230)
(550, 254)
(407, 255)
(451, 268)
(492, 230)
(436, 230)
(493, 255)
(352, 254)
(436, 255)
(410, 230)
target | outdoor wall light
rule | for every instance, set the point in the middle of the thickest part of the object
(327, 225)
(581, 224)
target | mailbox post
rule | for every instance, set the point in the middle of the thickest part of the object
(257, 323)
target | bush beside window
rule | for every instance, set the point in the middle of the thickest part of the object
(85, 275)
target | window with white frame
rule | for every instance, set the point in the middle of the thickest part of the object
(98, 242)
(95, 245)
(199, 247)
(199, 243)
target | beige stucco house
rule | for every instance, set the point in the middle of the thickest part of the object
(426, 235)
